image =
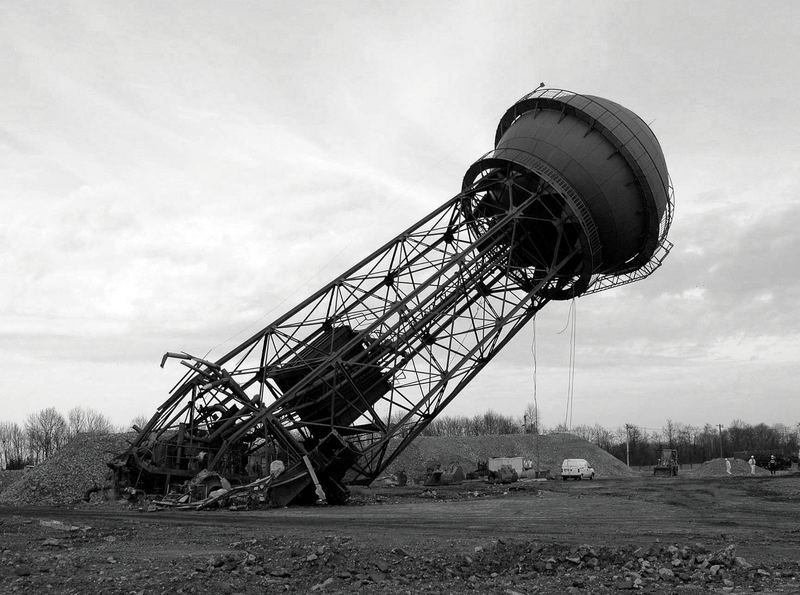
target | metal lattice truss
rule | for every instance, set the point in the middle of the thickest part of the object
(344, 381)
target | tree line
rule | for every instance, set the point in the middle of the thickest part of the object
(483, 424)
(694, 444)
(639, 445)
(47, 430)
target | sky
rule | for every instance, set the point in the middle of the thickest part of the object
(173, 176)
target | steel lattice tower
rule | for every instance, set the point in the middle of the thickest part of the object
(575, 198)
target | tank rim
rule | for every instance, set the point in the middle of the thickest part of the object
(589, 239)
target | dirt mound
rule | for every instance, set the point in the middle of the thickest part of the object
(549, 450)
(70, 475)
(716, 468)
(7, 477)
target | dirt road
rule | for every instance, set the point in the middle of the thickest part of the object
(652, 534)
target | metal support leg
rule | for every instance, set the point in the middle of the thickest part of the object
(318, 487)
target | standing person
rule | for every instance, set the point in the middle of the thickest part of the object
(752, 463)
(772, 464)
(728, 466)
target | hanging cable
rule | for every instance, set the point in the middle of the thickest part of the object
(569, 366)
(535, 388)
(572, 325)
(569, 318)
(533, 352)
(573, 342)
(535, 396)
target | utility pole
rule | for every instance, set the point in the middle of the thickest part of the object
(720, 440)
(628, 445)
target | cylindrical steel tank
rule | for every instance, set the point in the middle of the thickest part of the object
(598, 157)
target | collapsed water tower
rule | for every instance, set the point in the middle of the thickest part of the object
(573, 199)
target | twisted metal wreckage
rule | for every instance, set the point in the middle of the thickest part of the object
(575, 198)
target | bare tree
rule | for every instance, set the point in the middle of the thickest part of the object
(602, 437)
(640, 445)
(687, 437)
(447, 425)
(85, 420)
(583, 431)
(46, 431)
(5, 432)
(18, 445)
(14, 444)
(530, 418)
(488, 423)
(76, 421)
(670, 433)
(140, 421)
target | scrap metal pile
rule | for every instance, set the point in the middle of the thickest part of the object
(211, 490)
(575, 198)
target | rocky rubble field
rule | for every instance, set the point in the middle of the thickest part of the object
(499, 566)
(61, 557)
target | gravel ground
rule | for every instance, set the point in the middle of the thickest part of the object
(81, 558)
(647, 535)
(716, 468)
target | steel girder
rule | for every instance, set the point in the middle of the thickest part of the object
(391, 342)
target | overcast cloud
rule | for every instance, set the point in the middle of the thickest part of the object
(175, 175)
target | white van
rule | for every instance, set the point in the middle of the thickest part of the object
(577, 469)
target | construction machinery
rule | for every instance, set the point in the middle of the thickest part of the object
(667, 463)
(504, 469)
(453, 474)
(573, 199)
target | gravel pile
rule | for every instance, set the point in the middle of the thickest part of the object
(70, 475)
(9, 477)
(716, 468)
(552, 449)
